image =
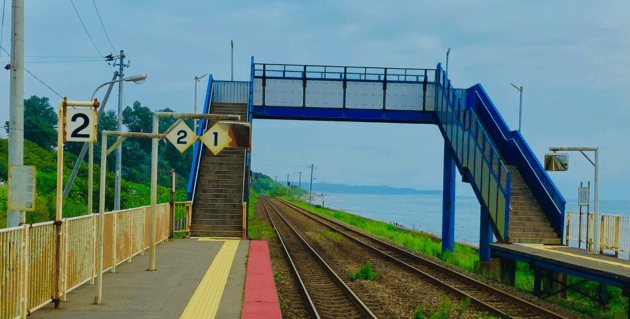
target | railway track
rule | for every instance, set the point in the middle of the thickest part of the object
(486, 298)
(326, 295)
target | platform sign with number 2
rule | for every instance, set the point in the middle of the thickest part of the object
(81, 125)
(181, 137)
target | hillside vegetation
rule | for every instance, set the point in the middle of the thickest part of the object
(132, 194)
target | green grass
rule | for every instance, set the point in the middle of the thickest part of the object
(132, 194)
(465, 257)
(329, 234)
(365, 272)
(257, 229)
(443, 311)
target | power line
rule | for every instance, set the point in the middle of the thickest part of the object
(280, 166)
(33, 75)
(42, 82)
(4, 4)
(86, 31)
(99, 19)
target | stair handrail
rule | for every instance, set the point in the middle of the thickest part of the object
(508, 138)
(198, 147)
(446, 85)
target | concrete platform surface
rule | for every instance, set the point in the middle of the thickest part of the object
(573, 257)
(133, 292)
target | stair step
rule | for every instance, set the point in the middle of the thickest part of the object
(210, 216)
(555, 241)
(218, 222)
(236, 234)
(536, 234)
(539, 219)
(531, 229)
(527, 224)
(209, 228)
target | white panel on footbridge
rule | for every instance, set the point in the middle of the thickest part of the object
(364, 95)
(284, 93)
(327, 94)
(404, 96)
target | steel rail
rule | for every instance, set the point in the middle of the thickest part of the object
(294, 270)
(353, 297)
(539, 311)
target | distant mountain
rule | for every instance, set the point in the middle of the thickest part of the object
(386, 190)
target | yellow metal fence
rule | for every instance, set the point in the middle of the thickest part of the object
(614, 230)
(29, 267)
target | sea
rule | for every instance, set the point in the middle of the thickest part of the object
(424, 212)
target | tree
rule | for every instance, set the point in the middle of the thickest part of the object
(40, 120)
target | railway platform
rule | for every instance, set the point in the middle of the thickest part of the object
(549, 260)
(195, 278)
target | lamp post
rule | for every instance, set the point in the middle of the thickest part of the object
(520, 105)
(197, 78)
(138, 79)
(447, 53)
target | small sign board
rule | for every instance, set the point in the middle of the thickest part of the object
(182, 137)
(21, 194)
(81, 125)
(217, 138)
(235, 135)
(556, 162)
(583, 196)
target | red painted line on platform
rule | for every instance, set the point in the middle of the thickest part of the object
(261, 299)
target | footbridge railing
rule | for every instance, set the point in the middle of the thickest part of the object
(343, 93)
(475, 153)
(30, 274)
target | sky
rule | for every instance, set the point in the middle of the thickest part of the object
(570, 57)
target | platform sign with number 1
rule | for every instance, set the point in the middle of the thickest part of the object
(181, 137)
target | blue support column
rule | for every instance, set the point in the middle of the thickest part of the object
(485, 236)
(448, 200)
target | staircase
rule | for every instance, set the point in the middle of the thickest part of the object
(218, 204)
(528, 223)
(504, 172)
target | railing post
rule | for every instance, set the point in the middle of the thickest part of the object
(617, 236)
(58, 251)
(568, 228)
(65, 261)
(93, 248)
(114, 241)
(244, 219)
(602, 235)
(25, 270)
(172, 205)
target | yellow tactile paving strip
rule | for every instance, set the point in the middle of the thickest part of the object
(205, 301)
(551, 249)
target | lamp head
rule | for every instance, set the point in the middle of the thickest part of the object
(137, 79)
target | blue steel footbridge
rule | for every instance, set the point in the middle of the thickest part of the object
(519, 203)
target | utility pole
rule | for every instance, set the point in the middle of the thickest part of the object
(232, 73)
(287, 180)
(122, 65)
(16, 110)
(300, 184)
(310, 194)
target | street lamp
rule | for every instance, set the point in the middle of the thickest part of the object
(138, 79)
(520, 105)
(197, 78)
(447, 53)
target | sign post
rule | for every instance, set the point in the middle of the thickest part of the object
(78, 124)
(596, 230)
